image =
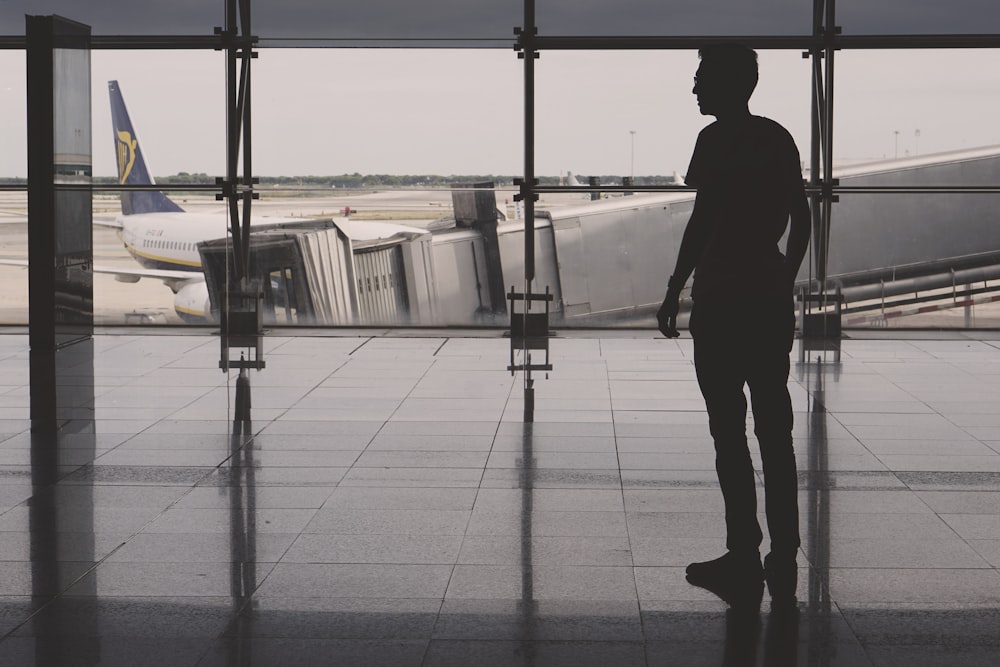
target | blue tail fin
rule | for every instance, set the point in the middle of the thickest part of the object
(131, 165)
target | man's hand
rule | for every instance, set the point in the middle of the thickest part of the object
(666, 316)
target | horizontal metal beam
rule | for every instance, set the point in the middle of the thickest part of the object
(138, 42)
(983, 41)
(910, 189)
(666, 42)
(158, 187)
(818, 189)
(553, 43)
(837, 189)
(796, 42)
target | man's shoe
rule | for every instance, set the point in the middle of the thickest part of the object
(737, 579)
(782, 576)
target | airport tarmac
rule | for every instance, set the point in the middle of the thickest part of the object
(151, 302)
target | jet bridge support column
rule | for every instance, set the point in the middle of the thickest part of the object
(475, 206)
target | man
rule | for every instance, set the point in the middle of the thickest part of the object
(749, 180)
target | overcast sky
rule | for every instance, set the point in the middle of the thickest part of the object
(447, 111)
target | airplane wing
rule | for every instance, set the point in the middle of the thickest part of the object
(172, 279)
(105, 221)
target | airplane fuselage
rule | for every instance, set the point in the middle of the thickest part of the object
(170, 240)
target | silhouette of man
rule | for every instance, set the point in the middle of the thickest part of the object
(749, 180)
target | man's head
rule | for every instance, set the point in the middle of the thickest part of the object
(726, 78)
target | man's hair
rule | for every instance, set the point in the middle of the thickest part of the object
(736, 62)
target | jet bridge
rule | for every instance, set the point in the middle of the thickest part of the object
(329, 273)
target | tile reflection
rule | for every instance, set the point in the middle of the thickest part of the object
(51, 540)
(527, 606)
(816, 544)
(243, 565)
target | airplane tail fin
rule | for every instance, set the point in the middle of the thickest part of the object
(571, 179)
(131, 165)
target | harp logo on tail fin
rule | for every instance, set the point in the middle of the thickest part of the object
(126, 155)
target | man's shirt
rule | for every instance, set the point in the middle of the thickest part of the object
(747, 172)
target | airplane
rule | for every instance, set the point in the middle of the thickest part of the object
(160, 235)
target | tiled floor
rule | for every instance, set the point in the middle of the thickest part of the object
(390, 507)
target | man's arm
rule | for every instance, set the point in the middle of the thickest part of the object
(696, 236)
(798, 234)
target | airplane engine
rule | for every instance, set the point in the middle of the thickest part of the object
(191, 302)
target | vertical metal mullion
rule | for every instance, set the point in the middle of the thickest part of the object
(817, 149)
(247, 181)
(830, 35)
(232, 137)
(527, 44)
(528, 52)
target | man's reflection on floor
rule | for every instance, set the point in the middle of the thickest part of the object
(527, 605)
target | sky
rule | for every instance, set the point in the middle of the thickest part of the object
(450, 111)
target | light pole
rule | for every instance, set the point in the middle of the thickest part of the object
(895, 153)
(916, 139)
(631, 173)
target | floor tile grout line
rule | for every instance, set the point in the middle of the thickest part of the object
(441, 346)
(366, 341)
(621, 490)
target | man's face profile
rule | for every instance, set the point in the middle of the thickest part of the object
(706, 89)
(717, 89)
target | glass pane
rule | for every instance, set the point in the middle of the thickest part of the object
(176, 100)
(293, 22)
(387, 111)
(460, 23)
(614, 115)
(655, 17)
(376, 22)
(13, 122)
(176, 104)
(901, 17)
(588, 104)
(908, 108)
(376, 146)
(916, 260)
(120, 18)
(13, 174)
